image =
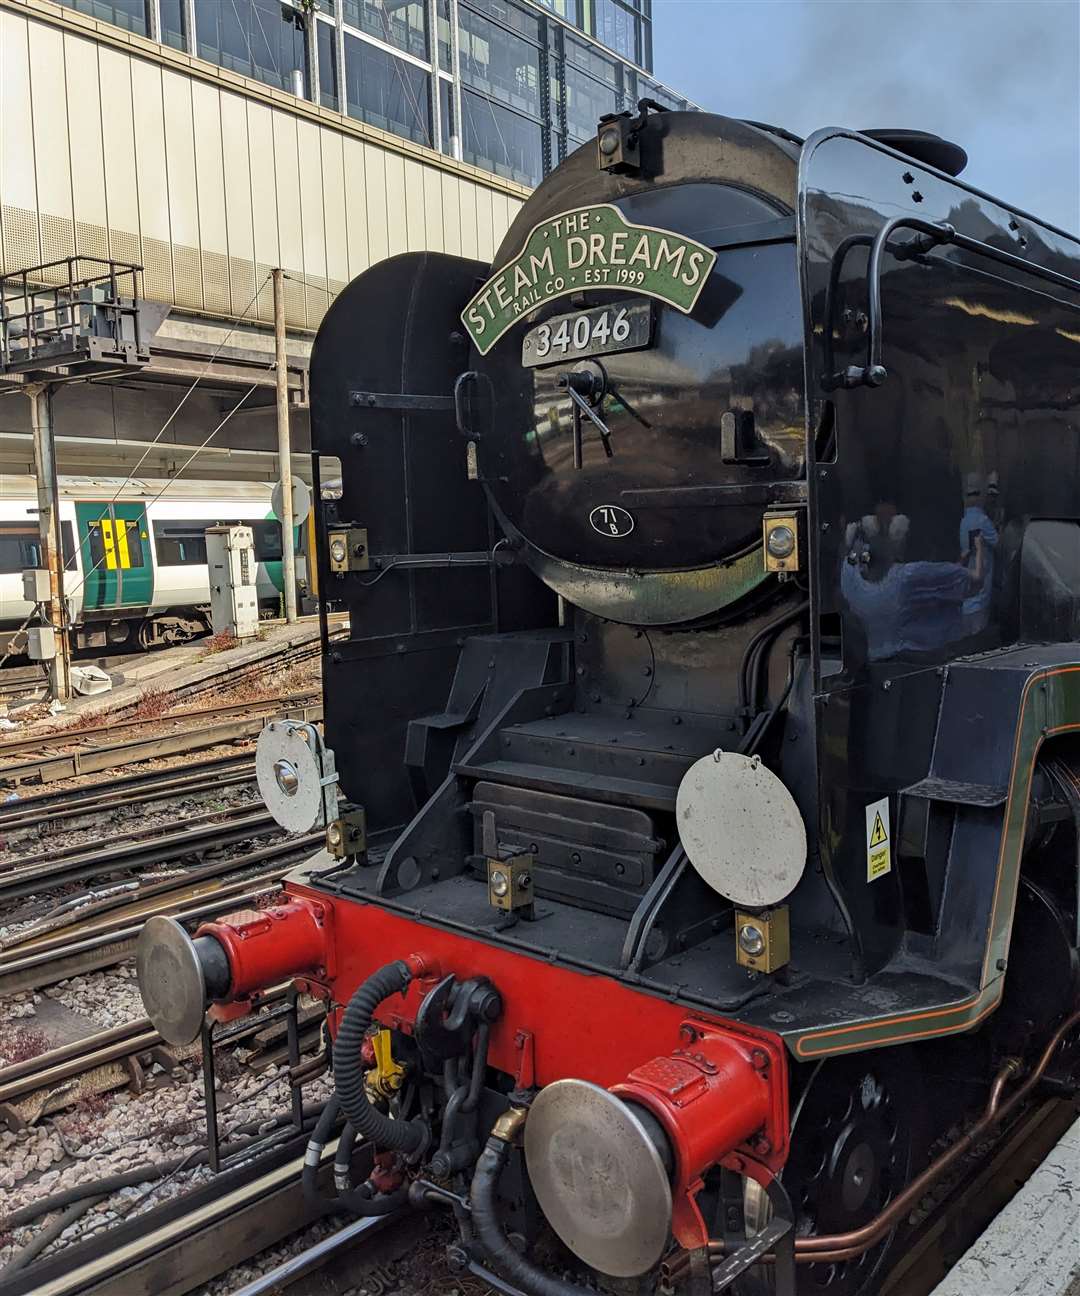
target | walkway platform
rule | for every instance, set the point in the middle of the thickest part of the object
(1033, 1246)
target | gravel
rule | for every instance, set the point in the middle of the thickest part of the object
(109, 998)
(121, 1131)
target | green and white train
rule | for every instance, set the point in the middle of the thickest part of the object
(135, 554)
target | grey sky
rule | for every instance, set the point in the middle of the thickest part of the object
(1000, 77)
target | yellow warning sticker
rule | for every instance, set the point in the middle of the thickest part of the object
(878, 849)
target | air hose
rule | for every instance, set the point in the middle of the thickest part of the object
(367, 1121)
(485, 1218)
(359, 1202)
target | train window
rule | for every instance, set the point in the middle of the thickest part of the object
(183, 544)
(267, 541)
(19, 549)
(180, 544)
(97, 545)
(67, 539)
(134, 545)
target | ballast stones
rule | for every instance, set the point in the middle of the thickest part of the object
(741, 829)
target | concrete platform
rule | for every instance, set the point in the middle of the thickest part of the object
(1033, 1247)
(171, 668)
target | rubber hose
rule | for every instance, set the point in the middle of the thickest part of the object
(359, 1202)
(343, 1160)
(42, 1240)
(309, 1184)
(490, 1235)
(366, 1120)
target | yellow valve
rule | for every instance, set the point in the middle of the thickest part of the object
(386, 1076)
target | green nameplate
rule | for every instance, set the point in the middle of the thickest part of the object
(590, 247)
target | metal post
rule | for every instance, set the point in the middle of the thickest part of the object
(49, 533)
(288, 554)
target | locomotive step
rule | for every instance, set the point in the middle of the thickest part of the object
(601, 787)
(578, 755)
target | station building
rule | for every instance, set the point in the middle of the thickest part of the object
(209, 141)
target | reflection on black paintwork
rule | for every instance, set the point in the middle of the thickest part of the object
(914, 608)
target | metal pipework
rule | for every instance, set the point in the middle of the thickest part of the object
(836, 1247)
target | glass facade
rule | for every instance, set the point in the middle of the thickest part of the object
(511, 86)
(134, 15)
(387, 92)
(263, 39)
(174, 23)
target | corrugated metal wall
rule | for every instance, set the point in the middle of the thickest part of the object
(112, 153)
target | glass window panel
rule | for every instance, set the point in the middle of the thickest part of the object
(402, 23)
(97, 546)
(650, 90)
(446, 117)
(591, 60)
(134, 544)
(442, 9)
(586, 102)
(564, 8)
(173, 24)
(328, 81)
(20, 548)
(123, 13)
(325, 6)
(501, 64)
(67, 539)
(616, 28)
(510, 15)
(257, 38)
(180, 544)
(501, 141)
(387, 92)
(268, 540)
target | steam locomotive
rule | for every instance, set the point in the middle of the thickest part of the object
(701, 773)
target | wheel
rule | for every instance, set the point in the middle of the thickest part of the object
(857, 1138)
(856, 1142)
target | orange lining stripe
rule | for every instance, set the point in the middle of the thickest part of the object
(1040, 677)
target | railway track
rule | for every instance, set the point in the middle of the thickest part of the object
(19, 680)
(152, 848)
(111, 756)
(104, 932)
(59, 1067)
(171, 1248)
(182, 1244)
(29, 809)
(59, 738)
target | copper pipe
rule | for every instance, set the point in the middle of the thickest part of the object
(837, 1247)
(862, 1239)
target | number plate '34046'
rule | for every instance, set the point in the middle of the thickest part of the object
(618, 327)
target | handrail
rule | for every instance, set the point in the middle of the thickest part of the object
(934, 234)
